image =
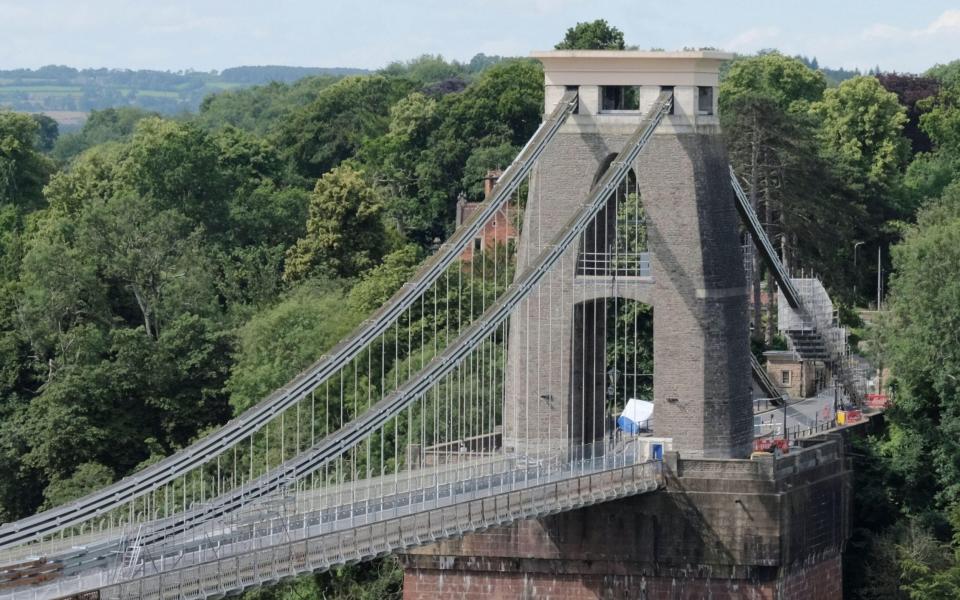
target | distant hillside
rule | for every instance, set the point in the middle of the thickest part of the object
(834, 76)
(61, 90)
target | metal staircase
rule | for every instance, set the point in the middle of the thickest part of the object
(806, 314)
(809, 345)
(129, 556)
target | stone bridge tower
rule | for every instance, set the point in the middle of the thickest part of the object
(723, 526)
(695, 282)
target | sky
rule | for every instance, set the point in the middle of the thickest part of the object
(205, 35)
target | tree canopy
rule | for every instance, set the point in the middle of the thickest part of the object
(785, 81)
(592, 35)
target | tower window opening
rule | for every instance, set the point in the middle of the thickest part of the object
(575, 88)
(705, 100)
(673, 105)
(620, 98)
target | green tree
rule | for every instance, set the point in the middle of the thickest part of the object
(504, 106)
(335, 125)
(862, 136)
(261, 109)
(394, 161)
(93, 177)
(379, 579)
(923, 304)
(425, 69)
(481, 161)
(948, 74)
(377, 285)
(941, 120)
(177, 165)
(903, 561)
(23, 169)
(125, 390)
(784, 81)
(592, 35)
(47, 132)
(88, 477)
(278, 342)
(154, 255)
(931, 172)
(345, 232)
(108, 125)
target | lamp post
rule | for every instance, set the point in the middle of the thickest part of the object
(879, 278)
(855, 247)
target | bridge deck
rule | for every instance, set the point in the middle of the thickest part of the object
(235, 558)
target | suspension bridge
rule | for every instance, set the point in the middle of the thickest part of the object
(492, 387)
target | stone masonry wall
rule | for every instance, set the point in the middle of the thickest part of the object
(701, 360)
(819, 580)
(721, 529)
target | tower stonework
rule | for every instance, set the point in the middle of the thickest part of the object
(696, 284)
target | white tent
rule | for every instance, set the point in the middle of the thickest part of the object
(635, 416)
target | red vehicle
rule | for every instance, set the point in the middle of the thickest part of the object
(769, 444)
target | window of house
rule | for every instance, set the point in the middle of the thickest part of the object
(619, 98)
(705, 100)
(785, 377)
(669, 88)
(477, 244)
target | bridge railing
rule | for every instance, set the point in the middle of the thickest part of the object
(622, 473)
(277, 556)
(608, 264)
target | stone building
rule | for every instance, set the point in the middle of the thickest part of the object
(797, 377)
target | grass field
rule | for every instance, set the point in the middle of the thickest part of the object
(155, 93)
(67, 118)
(42, 89)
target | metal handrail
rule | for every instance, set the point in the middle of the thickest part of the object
(241, 539)
(621, 264)
(279, 555)
(760, 238)
(761, 376)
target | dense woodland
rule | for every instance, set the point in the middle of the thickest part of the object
(159, 275)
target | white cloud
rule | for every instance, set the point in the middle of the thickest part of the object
(889, 46)
(946, 24)
(754, 38)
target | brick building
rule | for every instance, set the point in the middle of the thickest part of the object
(499, 230)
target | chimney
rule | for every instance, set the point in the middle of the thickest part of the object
(461, 208)
(489, 181)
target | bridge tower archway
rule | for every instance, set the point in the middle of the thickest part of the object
(611, 361)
